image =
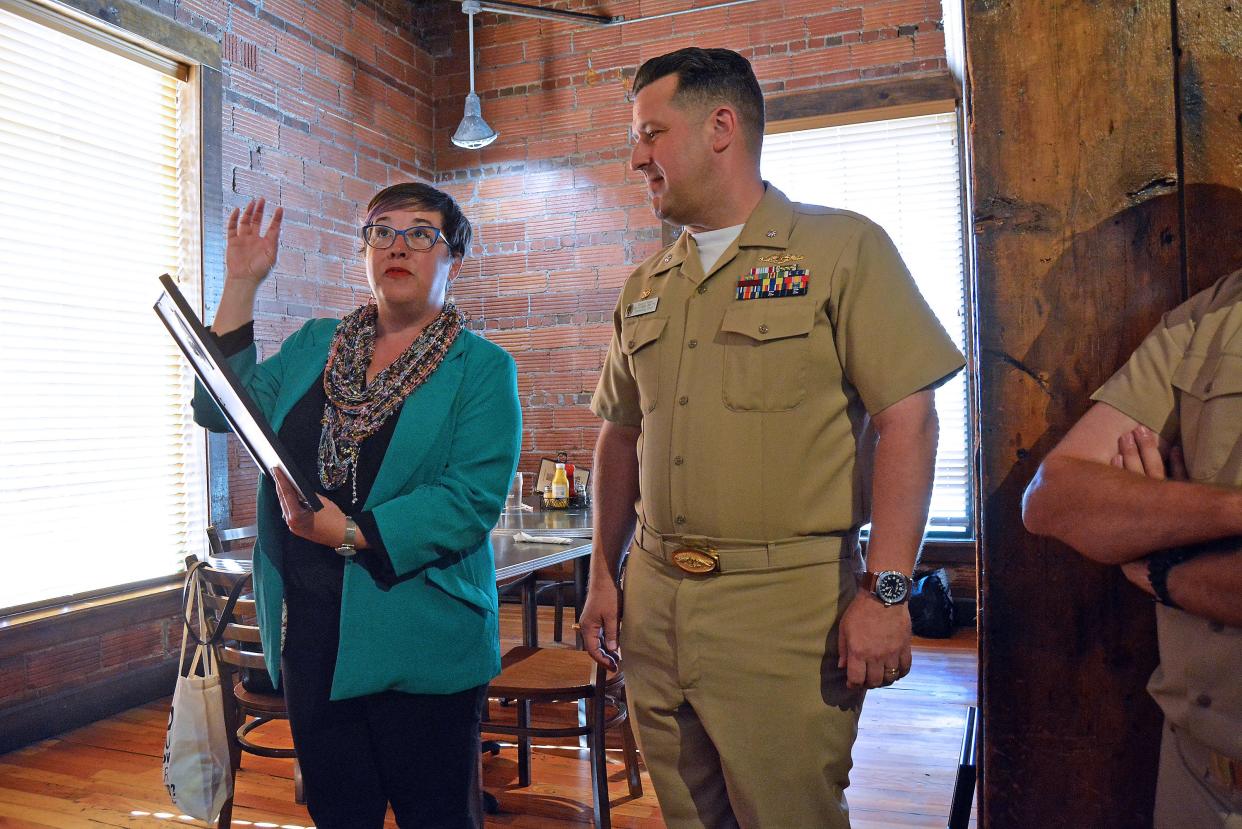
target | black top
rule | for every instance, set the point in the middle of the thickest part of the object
(315, 568)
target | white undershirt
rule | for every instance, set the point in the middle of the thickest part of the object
(712, 243)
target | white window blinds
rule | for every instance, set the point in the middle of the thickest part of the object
(904, 174)
(102, 479)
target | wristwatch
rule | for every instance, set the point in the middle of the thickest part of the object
(1158, 567)
(889, 586)
(347, 548)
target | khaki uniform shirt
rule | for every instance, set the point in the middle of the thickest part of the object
(751, 408)
(1185, 381)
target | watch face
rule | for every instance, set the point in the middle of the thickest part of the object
(891, 587)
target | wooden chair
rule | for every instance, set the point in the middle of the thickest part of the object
(240, 650)
(541, 675)
(558, 580)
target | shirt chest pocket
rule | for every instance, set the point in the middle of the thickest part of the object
(766, 355)
(1209, 391)
(640, 342)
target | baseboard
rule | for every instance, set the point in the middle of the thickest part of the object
(44, 717)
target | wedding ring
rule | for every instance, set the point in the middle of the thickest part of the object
(575, 626)
(890, 672)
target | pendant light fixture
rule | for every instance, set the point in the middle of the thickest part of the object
(473, 133)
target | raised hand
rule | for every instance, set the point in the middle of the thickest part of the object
(248, 259)
(250, 254)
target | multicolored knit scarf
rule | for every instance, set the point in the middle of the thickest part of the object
(356, 409)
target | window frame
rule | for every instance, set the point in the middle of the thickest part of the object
(885, 100)
(129, 29)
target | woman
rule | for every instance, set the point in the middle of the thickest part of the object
(378, 612)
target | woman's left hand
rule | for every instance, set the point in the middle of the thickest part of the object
(325, 527)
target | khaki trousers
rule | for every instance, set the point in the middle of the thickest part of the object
(1188, 794)
(743, 717)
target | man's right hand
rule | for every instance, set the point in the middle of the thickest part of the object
(598, 622)
(1138, 451)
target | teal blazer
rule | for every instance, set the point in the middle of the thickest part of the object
(436, 498)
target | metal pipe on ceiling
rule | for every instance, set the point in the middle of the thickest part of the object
(565, 16)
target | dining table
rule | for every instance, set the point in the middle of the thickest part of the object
(517, 560)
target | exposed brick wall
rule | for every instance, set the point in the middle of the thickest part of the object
(76, 653)
(324, 102)
(561, 219)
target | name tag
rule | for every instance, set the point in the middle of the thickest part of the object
(643, 306)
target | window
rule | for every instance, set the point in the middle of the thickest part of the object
(904, 174)
(102, 479)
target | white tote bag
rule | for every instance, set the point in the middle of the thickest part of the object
(197, 771)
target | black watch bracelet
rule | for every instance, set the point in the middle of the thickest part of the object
(1158, 567)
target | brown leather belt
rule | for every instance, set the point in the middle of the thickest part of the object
(700, 555)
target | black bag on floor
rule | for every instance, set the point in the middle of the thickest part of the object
(931, 606)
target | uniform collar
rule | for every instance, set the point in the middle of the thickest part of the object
(672, 256)
(770, 222)
(768, 226)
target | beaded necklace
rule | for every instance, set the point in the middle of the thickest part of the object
(355, 409)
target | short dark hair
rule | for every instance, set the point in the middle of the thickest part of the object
(708, 77)
(456, 230)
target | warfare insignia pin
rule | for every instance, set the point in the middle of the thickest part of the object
(781, 258)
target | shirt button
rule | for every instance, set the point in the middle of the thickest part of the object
(1208, 389)
(1203, 701)
(630, 344)
(693, 343)
(683, 400)
(702, 289)
(678, 461)
(681, 519)
(763, 329)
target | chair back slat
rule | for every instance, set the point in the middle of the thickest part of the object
(233, 655)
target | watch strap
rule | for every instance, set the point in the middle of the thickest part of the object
(1158, 567)
(349, 545)
(870, 581)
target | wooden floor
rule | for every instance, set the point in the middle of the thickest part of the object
(108, 774)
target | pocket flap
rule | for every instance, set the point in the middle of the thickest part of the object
(1205, 377)
(459, 588)
(769, 319)
(641, 332)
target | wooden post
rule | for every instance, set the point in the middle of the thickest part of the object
(1209, 91)
(1078, 245)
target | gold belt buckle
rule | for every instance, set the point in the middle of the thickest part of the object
(695, 561)
(1227, 771)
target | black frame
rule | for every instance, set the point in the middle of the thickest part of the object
(213, 371)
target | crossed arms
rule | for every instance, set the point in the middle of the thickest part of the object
(1104, 491)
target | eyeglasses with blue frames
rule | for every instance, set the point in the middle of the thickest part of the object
(421, 237)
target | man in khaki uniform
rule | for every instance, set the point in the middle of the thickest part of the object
(745, 361)
(1176, 538)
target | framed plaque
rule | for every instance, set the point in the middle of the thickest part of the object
(226, 389)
